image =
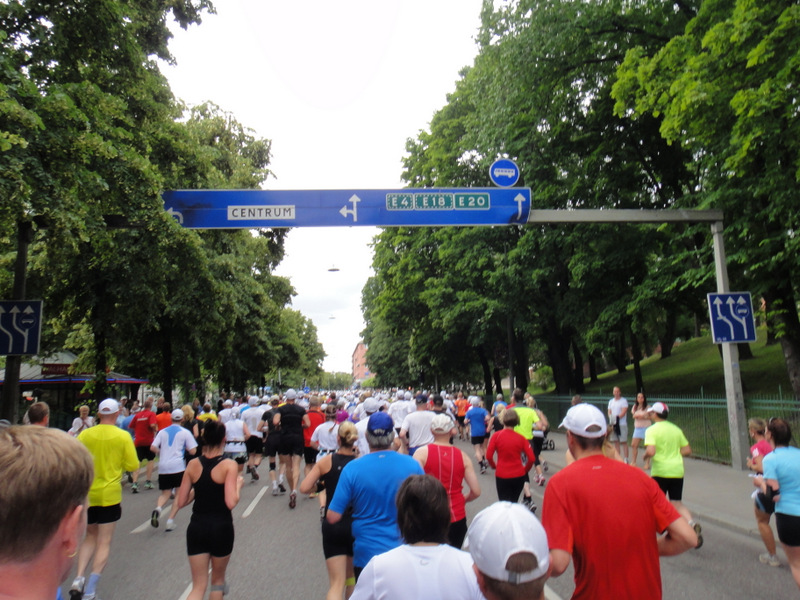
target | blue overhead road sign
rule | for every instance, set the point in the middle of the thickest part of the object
(250, 209)
(732, 318)
(20, 326)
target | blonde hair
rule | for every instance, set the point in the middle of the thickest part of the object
(188, 413)
(45, 474)
(348, 434)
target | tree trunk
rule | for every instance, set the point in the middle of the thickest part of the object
(520, 362)
(637, 359)
(558, 353)
(745, 351)
(498, 381)
(511, 354)
(618, 355)
(782, 304)
(577, 384)
(487, 370)
(592, 368)
(166, 363)
(667, 339)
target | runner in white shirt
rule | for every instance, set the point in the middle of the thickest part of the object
(171, 444)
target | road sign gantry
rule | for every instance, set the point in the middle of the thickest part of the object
(250, 209)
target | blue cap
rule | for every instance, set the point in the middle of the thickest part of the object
(380, 423)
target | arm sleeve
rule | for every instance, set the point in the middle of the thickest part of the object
(555, 521)
(130, 459)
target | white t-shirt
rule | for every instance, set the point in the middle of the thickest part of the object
(225, 415)
(615, 407)
(398, 410)
(419, 572)
(252, 416)
(418, 427)
(327, 438)
(361, 444)
(171, 442)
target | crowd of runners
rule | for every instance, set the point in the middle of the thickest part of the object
(392, 488)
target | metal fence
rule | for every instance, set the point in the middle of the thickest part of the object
(704, 421)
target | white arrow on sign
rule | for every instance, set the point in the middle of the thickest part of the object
(734, 313)
(174, 213)
(520, 200)
(718, 303)
(351, 211)
(6, 331)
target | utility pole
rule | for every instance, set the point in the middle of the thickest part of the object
(10, 397)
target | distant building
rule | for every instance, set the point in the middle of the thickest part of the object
(360, 368)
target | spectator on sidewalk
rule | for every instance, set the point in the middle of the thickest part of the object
(764, 507)
(666, 445)
(618, 418)
(782, 484)
(595, 500)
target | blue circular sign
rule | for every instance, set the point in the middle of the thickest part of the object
(504, 172)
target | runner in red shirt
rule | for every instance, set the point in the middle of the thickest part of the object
(144, 427)
(594, 503)
(317, 418)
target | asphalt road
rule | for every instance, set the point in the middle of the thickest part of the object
(278, 554)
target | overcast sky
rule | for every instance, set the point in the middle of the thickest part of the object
(338, 87)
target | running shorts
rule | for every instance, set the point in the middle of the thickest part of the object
(209, 535)
(254, 444)
(310, 455)
(671, 486)
(144, 453)
(169, 480)
(788, 527)
(291, 444)
(98, 515)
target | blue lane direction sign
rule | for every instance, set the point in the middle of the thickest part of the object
(504, 172)
(20, 326)
(251, 209)
(732, 319)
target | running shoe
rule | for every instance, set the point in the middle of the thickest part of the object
(699, 531)
(248, 469)
(129, 475)
(148, 485)
(770, 559)
(254, 474)
(292, 499)
(282, 488)
(76, 589)
(154, 518)
(483, 469)
(170, 525)
(275, 490)
(134, 488)
(541, 480)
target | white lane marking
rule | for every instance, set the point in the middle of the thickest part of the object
(255, 501)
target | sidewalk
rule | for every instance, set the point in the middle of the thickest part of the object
(713, 493)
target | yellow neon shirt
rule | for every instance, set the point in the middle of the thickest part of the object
(114, 453)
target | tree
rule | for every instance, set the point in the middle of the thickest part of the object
(724, 90)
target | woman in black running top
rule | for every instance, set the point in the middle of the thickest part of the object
(337, 540)
(213, 482)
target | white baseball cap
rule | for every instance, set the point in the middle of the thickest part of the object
(109, 406)
(442, 423)
(371, 405)
(177, 414)
(501, 531)
(290, 394)
(585, 420)
(659, 407)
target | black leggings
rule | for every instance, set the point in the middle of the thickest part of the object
(510, 489)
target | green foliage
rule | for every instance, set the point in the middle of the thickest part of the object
(90, 135)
